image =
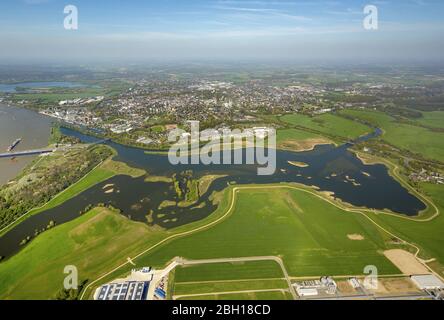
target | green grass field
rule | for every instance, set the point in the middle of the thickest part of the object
(329, 124)
(93, 243)
(429, 235)
(229, 271)
(416, 139)
(106, 170)
(271, 295)
(95, 176)
(295, 134)
(309, 234)
(228, 277)
(213, 287)
(433, 119)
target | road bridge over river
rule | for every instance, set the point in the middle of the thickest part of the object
(25, 153)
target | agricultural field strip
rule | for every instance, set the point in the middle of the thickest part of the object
(246, 259)
(175, 297)
(227, 281)
(227, 213)
(347, 276)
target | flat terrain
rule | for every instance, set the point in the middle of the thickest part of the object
(433, 119)
(299, 140)
(405, 261)
(328, 124)
(94, 242)
(416, 139)
(309, 234)
(267, 295)
(194, 280)
(396, 286)
(427, 235)
(181, 289)
(228, 271)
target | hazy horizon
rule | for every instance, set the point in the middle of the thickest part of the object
(172, 30)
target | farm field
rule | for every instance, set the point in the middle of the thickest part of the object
(269, 295)
(299, 140)
(265, 221)
(228, 271)
(210, 287)
(428, 143)
(95, 243)
(36, 272)
(433, 119)
(214, 278)
(329, 124)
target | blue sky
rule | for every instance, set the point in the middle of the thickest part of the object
(243, 29)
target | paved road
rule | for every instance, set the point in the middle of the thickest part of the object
(25, 153)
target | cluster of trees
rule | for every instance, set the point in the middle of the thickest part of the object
(187, 188)
(43, 181)
(56, 137)
(71, 294)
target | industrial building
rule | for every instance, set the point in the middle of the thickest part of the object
(313, 287)
(134, 287)
(354, 283)
(130, 290)
(427, 282)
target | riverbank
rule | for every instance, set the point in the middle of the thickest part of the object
(143, 257)
(16, 123)
(142, 199)
(429, 213)
(144, 249)
(102, 172)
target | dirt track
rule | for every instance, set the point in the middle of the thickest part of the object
(406, 262)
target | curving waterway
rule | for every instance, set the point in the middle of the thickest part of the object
(330, 168)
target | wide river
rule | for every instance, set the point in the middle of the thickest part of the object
(15, 123)
(331, 168)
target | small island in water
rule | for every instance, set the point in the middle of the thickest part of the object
(298, 164)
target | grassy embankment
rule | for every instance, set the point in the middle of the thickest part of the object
(93, 242)
(309, 233)
(102, 172)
